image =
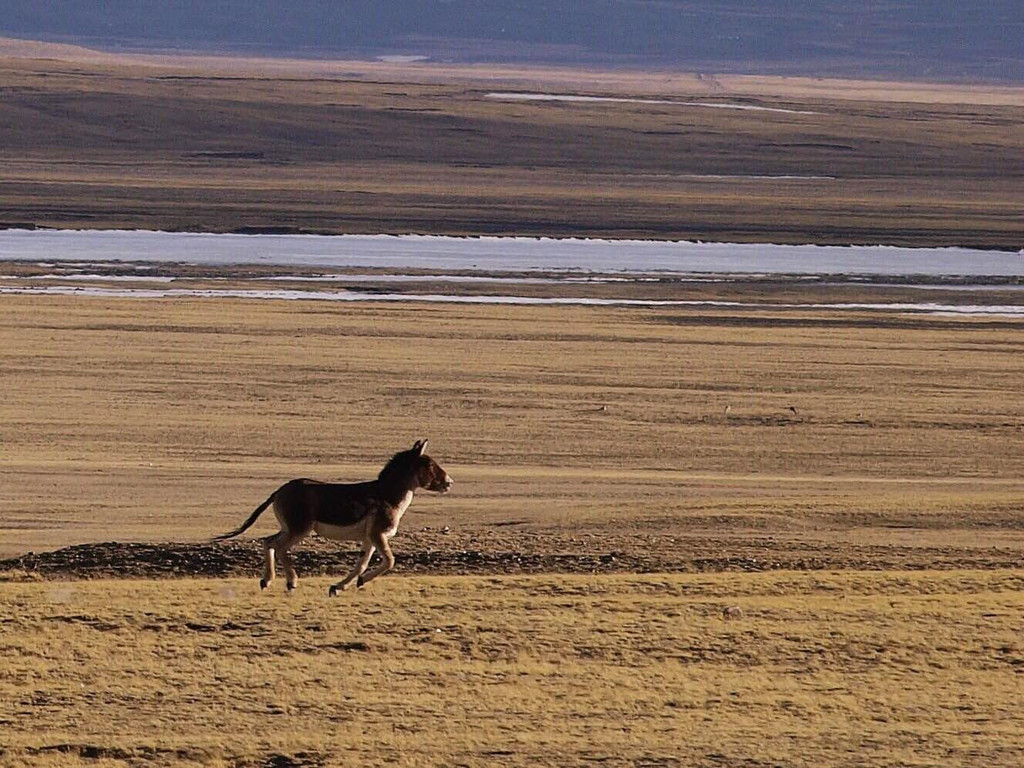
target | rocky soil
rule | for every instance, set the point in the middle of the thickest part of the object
(446, 553)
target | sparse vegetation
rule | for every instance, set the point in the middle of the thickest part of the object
(852, 669)
(167, 420)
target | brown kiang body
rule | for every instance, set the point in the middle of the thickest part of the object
(367, 512)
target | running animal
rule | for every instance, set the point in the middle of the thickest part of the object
(366, 512)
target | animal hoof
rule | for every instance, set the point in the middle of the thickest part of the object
(291, 587)
(360, 581)
(264, 584)
(333, 591)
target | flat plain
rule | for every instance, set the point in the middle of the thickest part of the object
(827, 574)
(163, 419)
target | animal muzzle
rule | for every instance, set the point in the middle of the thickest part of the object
(445, 485)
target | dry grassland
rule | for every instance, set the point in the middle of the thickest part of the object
(223, 144)
(580, 439)
(850, 669)
(157, 420)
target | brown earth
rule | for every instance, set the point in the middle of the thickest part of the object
(503, 554)
(209, 144)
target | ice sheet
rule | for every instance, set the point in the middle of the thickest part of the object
(501, 254)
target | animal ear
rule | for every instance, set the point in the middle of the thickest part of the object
(420, 446)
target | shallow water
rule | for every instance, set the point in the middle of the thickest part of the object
(502, 254)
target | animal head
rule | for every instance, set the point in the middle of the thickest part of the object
(429, 473)
(415, 469)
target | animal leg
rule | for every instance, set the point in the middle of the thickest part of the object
(389, 561)
(364, 561)
(291, 577)
(269, 545)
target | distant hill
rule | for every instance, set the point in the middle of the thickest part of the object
(906, 39)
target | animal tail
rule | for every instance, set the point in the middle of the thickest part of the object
(252, 519)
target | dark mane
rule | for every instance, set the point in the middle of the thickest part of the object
(400, 464)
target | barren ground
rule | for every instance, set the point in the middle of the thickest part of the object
(221, 144)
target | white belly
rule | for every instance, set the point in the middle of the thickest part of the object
(356, 532)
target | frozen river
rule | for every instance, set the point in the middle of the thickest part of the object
(502, 254)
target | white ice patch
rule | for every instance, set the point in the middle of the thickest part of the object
(294, 295)
(500, 254)
(399, 58)
(103, 278)
(749, 107)
(516, 96)
(442, 278)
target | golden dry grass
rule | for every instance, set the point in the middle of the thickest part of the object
(850, 669)
(579, 431)
(156, 420)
